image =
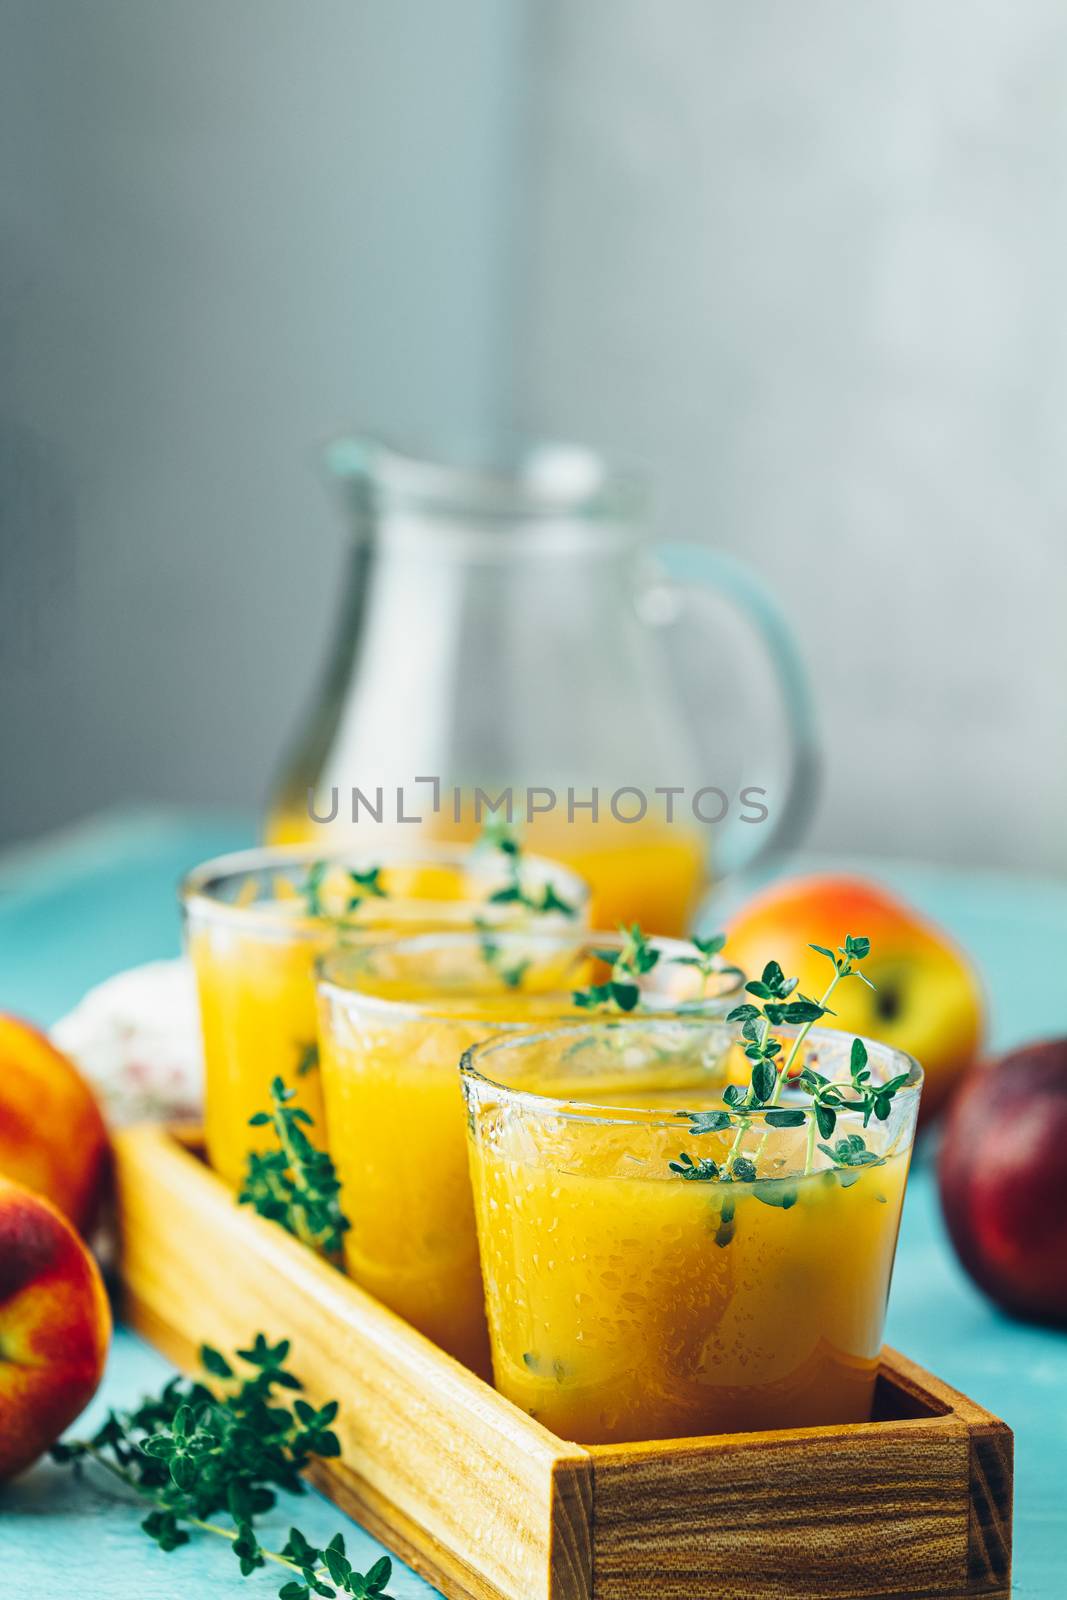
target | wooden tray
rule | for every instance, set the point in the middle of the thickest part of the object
(489, 1505)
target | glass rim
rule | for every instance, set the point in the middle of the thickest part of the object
(519, 480)
(713, 1009)
(576, 1109)
(196, 898)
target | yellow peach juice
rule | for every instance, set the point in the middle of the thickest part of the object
(398, 1142)
(394, 1021)
(257, 1018)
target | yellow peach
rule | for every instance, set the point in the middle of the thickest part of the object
(927, 1000)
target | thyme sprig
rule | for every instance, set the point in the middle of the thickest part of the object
(629, 964)
(740, 1170)
(851, 1151)
(706, 962)
(783, 1004)
(830, 1097)
(511, 973)
(194, 1453)
(772, 1067)
(636, 957)
(307, 1057)
(296, 1184)
(366, 885)
(498, 835)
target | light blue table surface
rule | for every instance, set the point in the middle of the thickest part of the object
(81, 906)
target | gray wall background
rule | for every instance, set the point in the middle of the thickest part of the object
(811, 260)
(230, 230)
(806, 264)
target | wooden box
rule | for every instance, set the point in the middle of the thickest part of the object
(489, 1505)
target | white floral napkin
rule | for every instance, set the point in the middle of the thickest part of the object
(136, 1038)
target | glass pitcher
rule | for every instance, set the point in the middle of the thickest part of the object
(501, 655)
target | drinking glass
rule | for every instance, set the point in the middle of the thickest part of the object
(255, 923)
(632, 1293)
(395, 1016)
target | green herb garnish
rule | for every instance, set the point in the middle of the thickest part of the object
(193, 1455)
(628, 964)
(873, 1099)
(702, 1171)
(704, 960)
(361, 886)
(708, 1121)
(498, 835)
(313, 888)
(708, 965)
(740, 1170)
(851, 1151)
(365, 886)
(724, 1230)
(307, 1058)
(771, 1068)
(295, 1185)
(776, 1192)
(493, 956)
(637, 957)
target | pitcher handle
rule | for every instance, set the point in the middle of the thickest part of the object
(693, 564)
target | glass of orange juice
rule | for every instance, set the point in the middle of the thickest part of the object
(257, 921)
(633, 1292)
(395, 1016)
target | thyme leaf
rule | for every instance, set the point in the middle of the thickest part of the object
(295, 1185)
(635, 958)
(194, 1454)
(498, 835)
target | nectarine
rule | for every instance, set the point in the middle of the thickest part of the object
(52, 1133)
(55, 1326)
(927, 1000)
(1002, 1169)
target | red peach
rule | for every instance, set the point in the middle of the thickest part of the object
(1002, 1170)
(55, 1326)
(52, 1134)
